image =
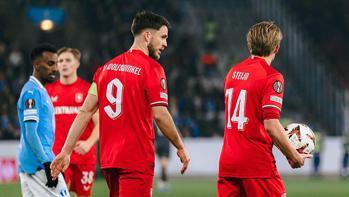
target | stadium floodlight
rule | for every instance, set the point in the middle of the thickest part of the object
(46, 25)
(46, 18)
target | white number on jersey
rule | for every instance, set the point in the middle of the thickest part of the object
(239, 110)
(87, 177)
(114, 99)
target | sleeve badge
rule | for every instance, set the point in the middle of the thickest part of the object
(278, 87)
(29, 103)
(163, 83)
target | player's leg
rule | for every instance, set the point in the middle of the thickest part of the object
(112, 177)
(135, 183)
(163, 152)
(37, 185)
(345, 162)
(270, 187)
(229, 187)
(316, 164)
(163, 164)
(82, 179)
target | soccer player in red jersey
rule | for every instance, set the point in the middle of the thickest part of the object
(67, 95)
(129, 90)
(253, 101)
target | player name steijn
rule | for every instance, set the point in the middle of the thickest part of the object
(240, 75)
(123, 68)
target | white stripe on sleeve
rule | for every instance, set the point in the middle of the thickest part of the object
(274, 106)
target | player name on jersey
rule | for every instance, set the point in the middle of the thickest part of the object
(123, 68)
(67, 110)
(240, 75)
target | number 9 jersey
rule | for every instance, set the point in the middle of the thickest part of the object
(128, 86)
(253, 92)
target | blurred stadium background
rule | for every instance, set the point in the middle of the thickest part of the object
(206, 39)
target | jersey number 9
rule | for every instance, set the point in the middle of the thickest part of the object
(114, 99)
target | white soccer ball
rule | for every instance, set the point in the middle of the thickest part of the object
(301, 137)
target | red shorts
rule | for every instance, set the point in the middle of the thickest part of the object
(262, 187)
(124, 183)
(79, 178)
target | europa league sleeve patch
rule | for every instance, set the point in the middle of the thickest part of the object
(163, 83)
(30, 103)
(278, 86)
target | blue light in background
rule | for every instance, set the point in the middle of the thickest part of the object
(38, 14)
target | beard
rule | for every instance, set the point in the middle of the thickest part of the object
(152, 52)
(51, 77)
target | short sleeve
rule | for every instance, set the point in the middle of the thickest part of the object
(31, 103)
(273, 97)
(156, 87)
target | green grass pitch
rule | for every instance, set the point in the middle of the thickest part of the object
(206, 187)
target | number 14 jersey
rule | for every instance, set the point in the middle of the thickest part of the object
(253, 92)
(127, 87)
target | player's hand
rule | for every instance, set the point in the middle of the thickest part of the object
(184, 157)
(59, 164)
(82, 147)
(299, 161)
(50, 181)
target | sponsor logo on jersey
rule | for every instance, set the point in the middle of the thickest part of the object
(79, 97)
(30, 103)
(67, 110)
(277, 86)
(163, 83)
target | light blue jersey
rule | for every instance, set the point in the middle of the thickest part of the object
(36, 117)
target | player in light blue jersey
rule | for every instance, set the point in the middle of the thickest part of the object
(36, 117)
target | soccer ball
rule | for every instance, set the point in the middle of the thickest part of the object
(301, 137)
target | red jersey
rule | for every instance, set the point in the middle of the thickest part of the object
(128, 86)
(67, 101)
(253, 92)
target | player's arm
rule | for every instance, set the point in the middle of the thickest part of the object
(271, 110)
(83, 146)
(31, 127)
(31, 113)
(31, 124)
(278, 134)
(35, 143)
(61, 162)
(80, 122)
(166, 125)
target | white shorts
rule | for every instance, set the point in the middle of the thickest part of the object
(34, 185)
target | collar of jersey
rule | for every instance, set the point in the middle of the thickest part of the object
(35, 80)
(254, 58)
(137, 51)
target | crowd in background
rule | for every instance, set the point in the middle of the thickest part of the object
(330, 40)
(102, 30)
(196, 101)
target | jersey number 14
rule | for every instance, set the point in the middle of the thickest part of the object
(238, 115)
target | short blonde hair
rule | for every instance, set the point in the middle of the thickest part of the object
(263, 37)
(76, 53)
